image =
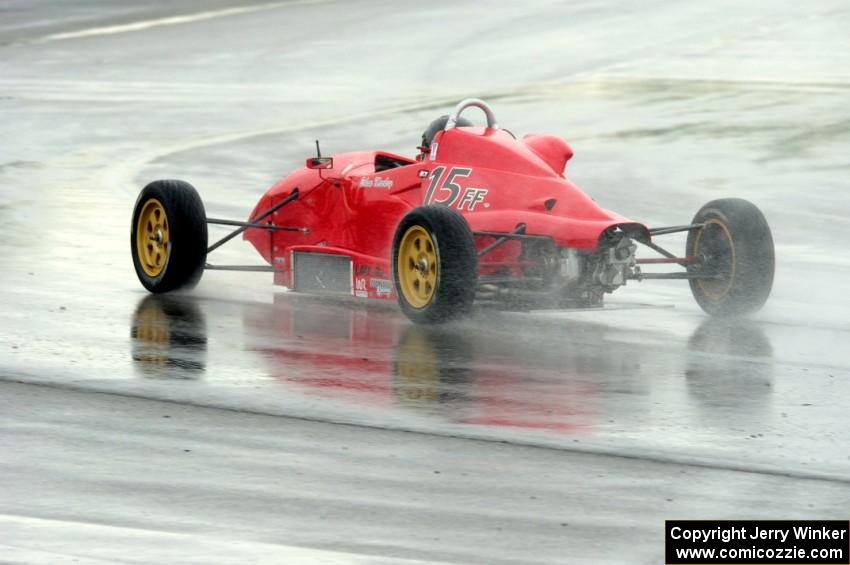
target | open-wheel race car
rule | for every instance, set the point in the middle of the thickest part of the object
(477, 216)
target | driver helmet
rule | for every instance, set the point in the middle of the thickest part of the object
(436, 126)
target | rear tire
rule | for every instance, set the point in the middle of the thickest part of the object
(168, 237)
(435, 265)
(735, 243)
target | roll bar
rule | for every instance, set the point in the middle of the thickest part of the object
(472, 102)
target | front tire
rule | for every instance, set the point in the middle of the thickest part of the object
(168, 238)
(435, 265)
(736, 245)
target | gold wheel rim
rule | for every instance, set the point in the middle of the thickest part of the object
(153, 243)
(416, 266)
(715, 289)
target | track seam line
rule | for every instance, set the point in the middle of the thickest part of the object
(599, 452)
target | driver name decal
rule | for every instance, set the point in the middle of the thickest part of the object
(450, 193)
(377, 182)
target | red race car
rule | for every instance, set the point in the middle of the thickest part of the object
(477, 215)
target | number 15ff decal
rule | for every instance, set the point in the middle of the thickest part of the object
(451, 193)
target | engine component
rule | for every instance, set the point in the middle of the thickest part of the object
(615, 265)
(570, 266)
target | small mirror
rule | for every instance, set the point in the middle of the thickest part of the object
(320, 163)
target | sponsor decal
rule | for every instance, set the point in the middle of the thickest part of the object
(280, 260)
(381, 286)
(377, 182)
(433, 154)
(450, 193)
(361, 294)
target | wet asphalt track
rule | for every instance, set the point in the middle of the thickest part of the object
(244, 425)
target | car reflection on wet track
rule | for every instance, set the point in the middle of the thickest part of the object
(729, 366)
(168, 337)
(493, 372)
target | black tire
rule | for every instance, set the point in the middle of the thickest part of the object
(181, 261)
(736, 244)
(456, 264)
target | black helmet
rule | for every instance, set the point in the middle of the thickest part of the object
(439, 125)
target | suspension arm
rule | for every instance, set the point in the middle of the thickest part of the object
(674, 229)
(520, 229)
(688, 275)
(254, 220)
(659, 249)
(270, 227)
(245, 268)
(668, 260)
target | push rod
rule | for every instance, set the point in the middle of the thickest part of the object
(254, 220)
(659, 249)
(270, 227)
(508, 235)
(500, 240)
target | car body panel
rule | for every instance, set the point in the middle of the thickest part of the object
(494, 180)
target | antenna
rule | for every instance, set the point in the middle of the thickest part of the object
(318, 151)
